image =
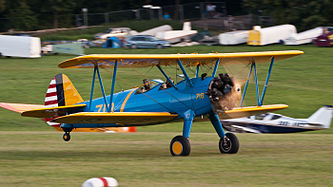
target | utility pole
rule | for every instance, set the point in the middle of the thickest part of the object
(85, 16)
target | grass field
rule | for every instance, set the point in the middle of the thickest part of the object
(32, 154)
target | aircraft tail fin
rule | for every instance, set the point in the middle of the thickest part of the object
(61, 92)
(323, 115)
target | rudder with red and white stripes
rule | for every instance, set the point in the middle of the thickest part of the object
(61, 92)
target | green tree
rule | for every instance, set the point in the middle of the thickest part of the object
(56, 8)
(21, 17)
(2, 5)
(302, 13)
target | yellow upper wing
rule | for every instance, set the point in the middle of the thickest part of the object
(144, 60)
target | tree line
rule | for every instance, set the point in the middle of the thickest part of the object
(40, 14)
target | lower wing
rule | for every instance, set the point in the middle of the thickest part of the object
(40, 111)
(250, 111)
(119, 118)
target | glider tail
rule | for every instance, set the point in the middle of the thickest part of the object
(323, 116)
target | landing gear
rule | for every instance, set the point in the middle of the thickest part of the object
(229, 144)
(180, 146)
(66, 136)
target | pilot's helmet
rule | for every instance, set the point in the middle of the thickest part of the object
(145, 81)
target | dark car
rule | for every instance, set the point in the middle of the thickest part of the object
(145, 41)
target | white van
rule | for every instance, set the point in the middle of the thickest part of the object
(20, 46)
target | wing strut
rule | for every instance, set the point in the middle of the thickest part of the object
(113, 82)
(96, 70)
(92, 88)
(93, 85)
(215, 68)
(184, 72)
(166, 76)
(197, 71)
(260, 100)
(267, 80)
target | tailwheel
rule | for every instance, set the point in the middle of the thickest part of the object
(66, 136)
(180, 146)
(229, 144)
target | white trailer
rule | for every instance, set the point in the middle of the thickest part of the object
(304, 37)
(234, 37)
(20, 46)
(270, 35)
(177, 35)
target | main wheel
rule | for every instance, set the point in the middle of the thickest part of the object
(229, 144)
(66, 136)
(159, 46)
(180, 146)
(133, 46)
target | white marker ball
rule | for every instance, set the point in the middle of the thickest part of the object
(100, 182)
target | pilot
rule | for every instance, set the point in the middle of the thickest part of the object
(169, 83)
(203, 76)
(146, 85)
(163, 86)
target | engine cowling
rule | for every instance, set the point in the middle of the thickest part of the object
(224, 92)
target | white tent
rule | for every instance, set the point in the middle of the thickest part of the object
(270, 35)
(20, 46)
(304, 37)
(234, 37)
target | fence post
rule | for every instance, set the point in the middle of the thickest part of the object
(202, 10)
(77, 20)
(106, 18)
(160, 16)
(85, 16)
(181, 12)
(137, 14)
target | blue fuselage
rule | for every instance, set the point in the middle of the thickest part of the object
(178, 99)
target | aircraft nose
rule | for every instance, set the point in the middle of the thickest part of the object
(224, 92)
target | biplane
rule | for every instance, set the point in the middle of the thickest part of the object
(212, 97)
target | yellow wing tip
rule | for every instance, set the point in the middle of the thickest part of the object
(258, 108)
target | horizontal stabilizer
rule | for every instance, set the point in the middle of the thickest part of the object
(19, 107)
(250, 111)
(119, 118)
(50, 112)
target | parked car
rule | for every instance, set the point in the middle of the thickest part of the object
(119, 32)
(145, 41)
